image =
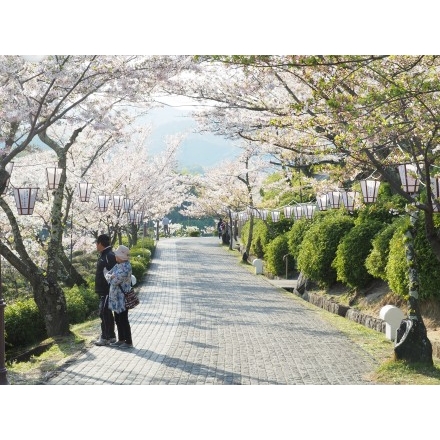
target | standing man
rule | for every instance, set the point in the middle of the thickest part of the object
(105, 262)
(166, 228)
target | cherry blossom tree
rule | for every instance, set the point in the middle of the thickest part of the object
(58, 102)
(230, 187)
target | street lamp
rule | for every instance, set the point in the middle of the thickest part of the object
(25, 202)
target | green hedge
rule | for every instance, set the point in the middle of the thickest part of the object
(352, 252)
(318, 249)
(23, 324)
(275, 252)
(377, 259)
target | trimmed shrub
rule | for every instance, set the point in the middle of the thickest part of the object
(138, 269)
(296, 235)
(352, 252)
(76, 306)
(82, 303)
(275, 251)
(318, 249)
(376, 260)
(23, 324)
(427, 264)
(260, 238)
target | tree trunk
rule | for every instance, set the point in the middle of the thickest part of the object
(51, 302)
(73, 276)
(250, 235)
(412, 343)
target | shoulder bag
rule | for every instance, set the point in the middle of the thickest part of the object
(131, 298)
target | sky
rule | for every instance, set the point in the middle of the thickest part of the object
(198, 151)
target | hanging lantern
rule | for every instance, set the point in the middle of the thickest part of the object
(275, 216)
(103, 202)
(53, 177)
(309, 211)
(117, 202)
(263, 214)
(370, 190)
(334, 199)
(288, 210)
(127, 204)
(25, 200)
(322, 202)
(85, 190)
(9, 166)
(297, 212)
(132, 216)
(139, 217)
(435, 187)
(409, 179)
(348, 199)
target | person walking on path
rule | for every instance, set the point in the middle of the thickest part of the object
(166, 226)
(105, 262)
(119, 278)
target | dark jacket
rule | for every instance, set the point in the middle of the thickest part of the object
(106, 260)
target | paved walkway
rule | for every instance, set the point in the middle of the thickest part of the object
(206, 319)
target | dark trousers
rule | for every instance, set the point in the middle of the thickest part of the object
(124, 329)
(107, 319)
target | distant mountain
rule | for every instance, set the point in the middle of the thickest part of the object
(197, 150)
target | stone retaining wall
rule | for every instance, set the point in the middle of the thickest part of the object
(354, 315)
(345, 311)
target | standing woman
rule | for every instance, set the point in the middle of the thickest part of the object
(119, 278)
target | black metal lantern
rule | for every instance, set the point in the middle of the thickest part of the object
(25, 200)
(370, 190)
(84, 190)
(53, 175)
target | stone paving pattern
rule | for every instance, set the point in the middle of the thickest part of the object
(206, 319)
